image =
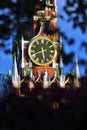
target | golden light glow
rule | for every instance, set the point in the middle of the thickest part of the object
(55, 105)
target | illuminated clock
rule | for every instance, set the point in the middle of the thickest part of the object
(41, 51)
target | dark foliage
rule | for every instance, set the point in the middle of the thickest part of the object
(77, 12)
(63, 109)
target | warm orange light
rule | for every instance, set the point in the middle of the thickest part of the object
(55, 105)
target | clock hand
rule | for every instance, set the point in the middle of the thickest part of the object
(38, 52)
(42, 53)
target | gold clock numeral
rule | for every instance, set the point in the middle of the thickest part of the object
(32, 51)
(34, 56)
(37, 42)
(42, 61)
(50, 46)
(37, 59)
(34, 46)
(42, 40)
(47, 60)
(52, 51)
(51, 56)
(46, 42)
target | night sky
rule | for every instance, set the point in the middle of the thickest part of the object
(6, 59)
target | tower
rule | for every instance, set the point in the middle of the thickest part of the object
(15, 76)
(77, 76)
(23, 42)
(40, 46)
(40, 28)
(77, 68)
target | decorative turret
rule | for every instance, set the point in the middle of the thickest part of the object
(32, 75)
(47, 2)
(62, 81)
(77, 68)
(55, 5)
(62, 77)
(16, 77)
(22, 59)
(61, 65)
(15, 69)
(39, 80)
(76, 80)
(30, 64)
(60, 41)
(55, 81)
(46, 79)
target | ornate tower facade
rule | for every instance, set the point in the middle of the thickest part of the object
(37, 47)
(43, 21)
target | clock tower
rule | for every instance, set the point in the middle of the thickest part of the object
(37, 41)
(36, 51)
(38, 36)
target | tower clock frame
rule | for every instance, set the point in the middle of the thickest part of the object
(44, 12)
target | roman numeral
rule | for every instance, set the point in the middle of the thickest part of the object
(46, 42)
(51, 56)
(37, 59)
(34, 46)
(47, 60)
(37, 42)
(50, 46)
(42, 40)
(42, 61)
(52, 51)
(32, 51)
(33, 55)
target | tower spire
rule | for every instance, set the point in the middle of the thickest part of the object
(15, 70)
(23, 41)
(62, 77)
(47, 2)
(76, 80)
(55, 5)
(15, 76)
(22, 60)
(60, 41)
(77, 67)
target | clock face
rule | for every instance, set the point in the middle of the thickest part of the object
(41, 51)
